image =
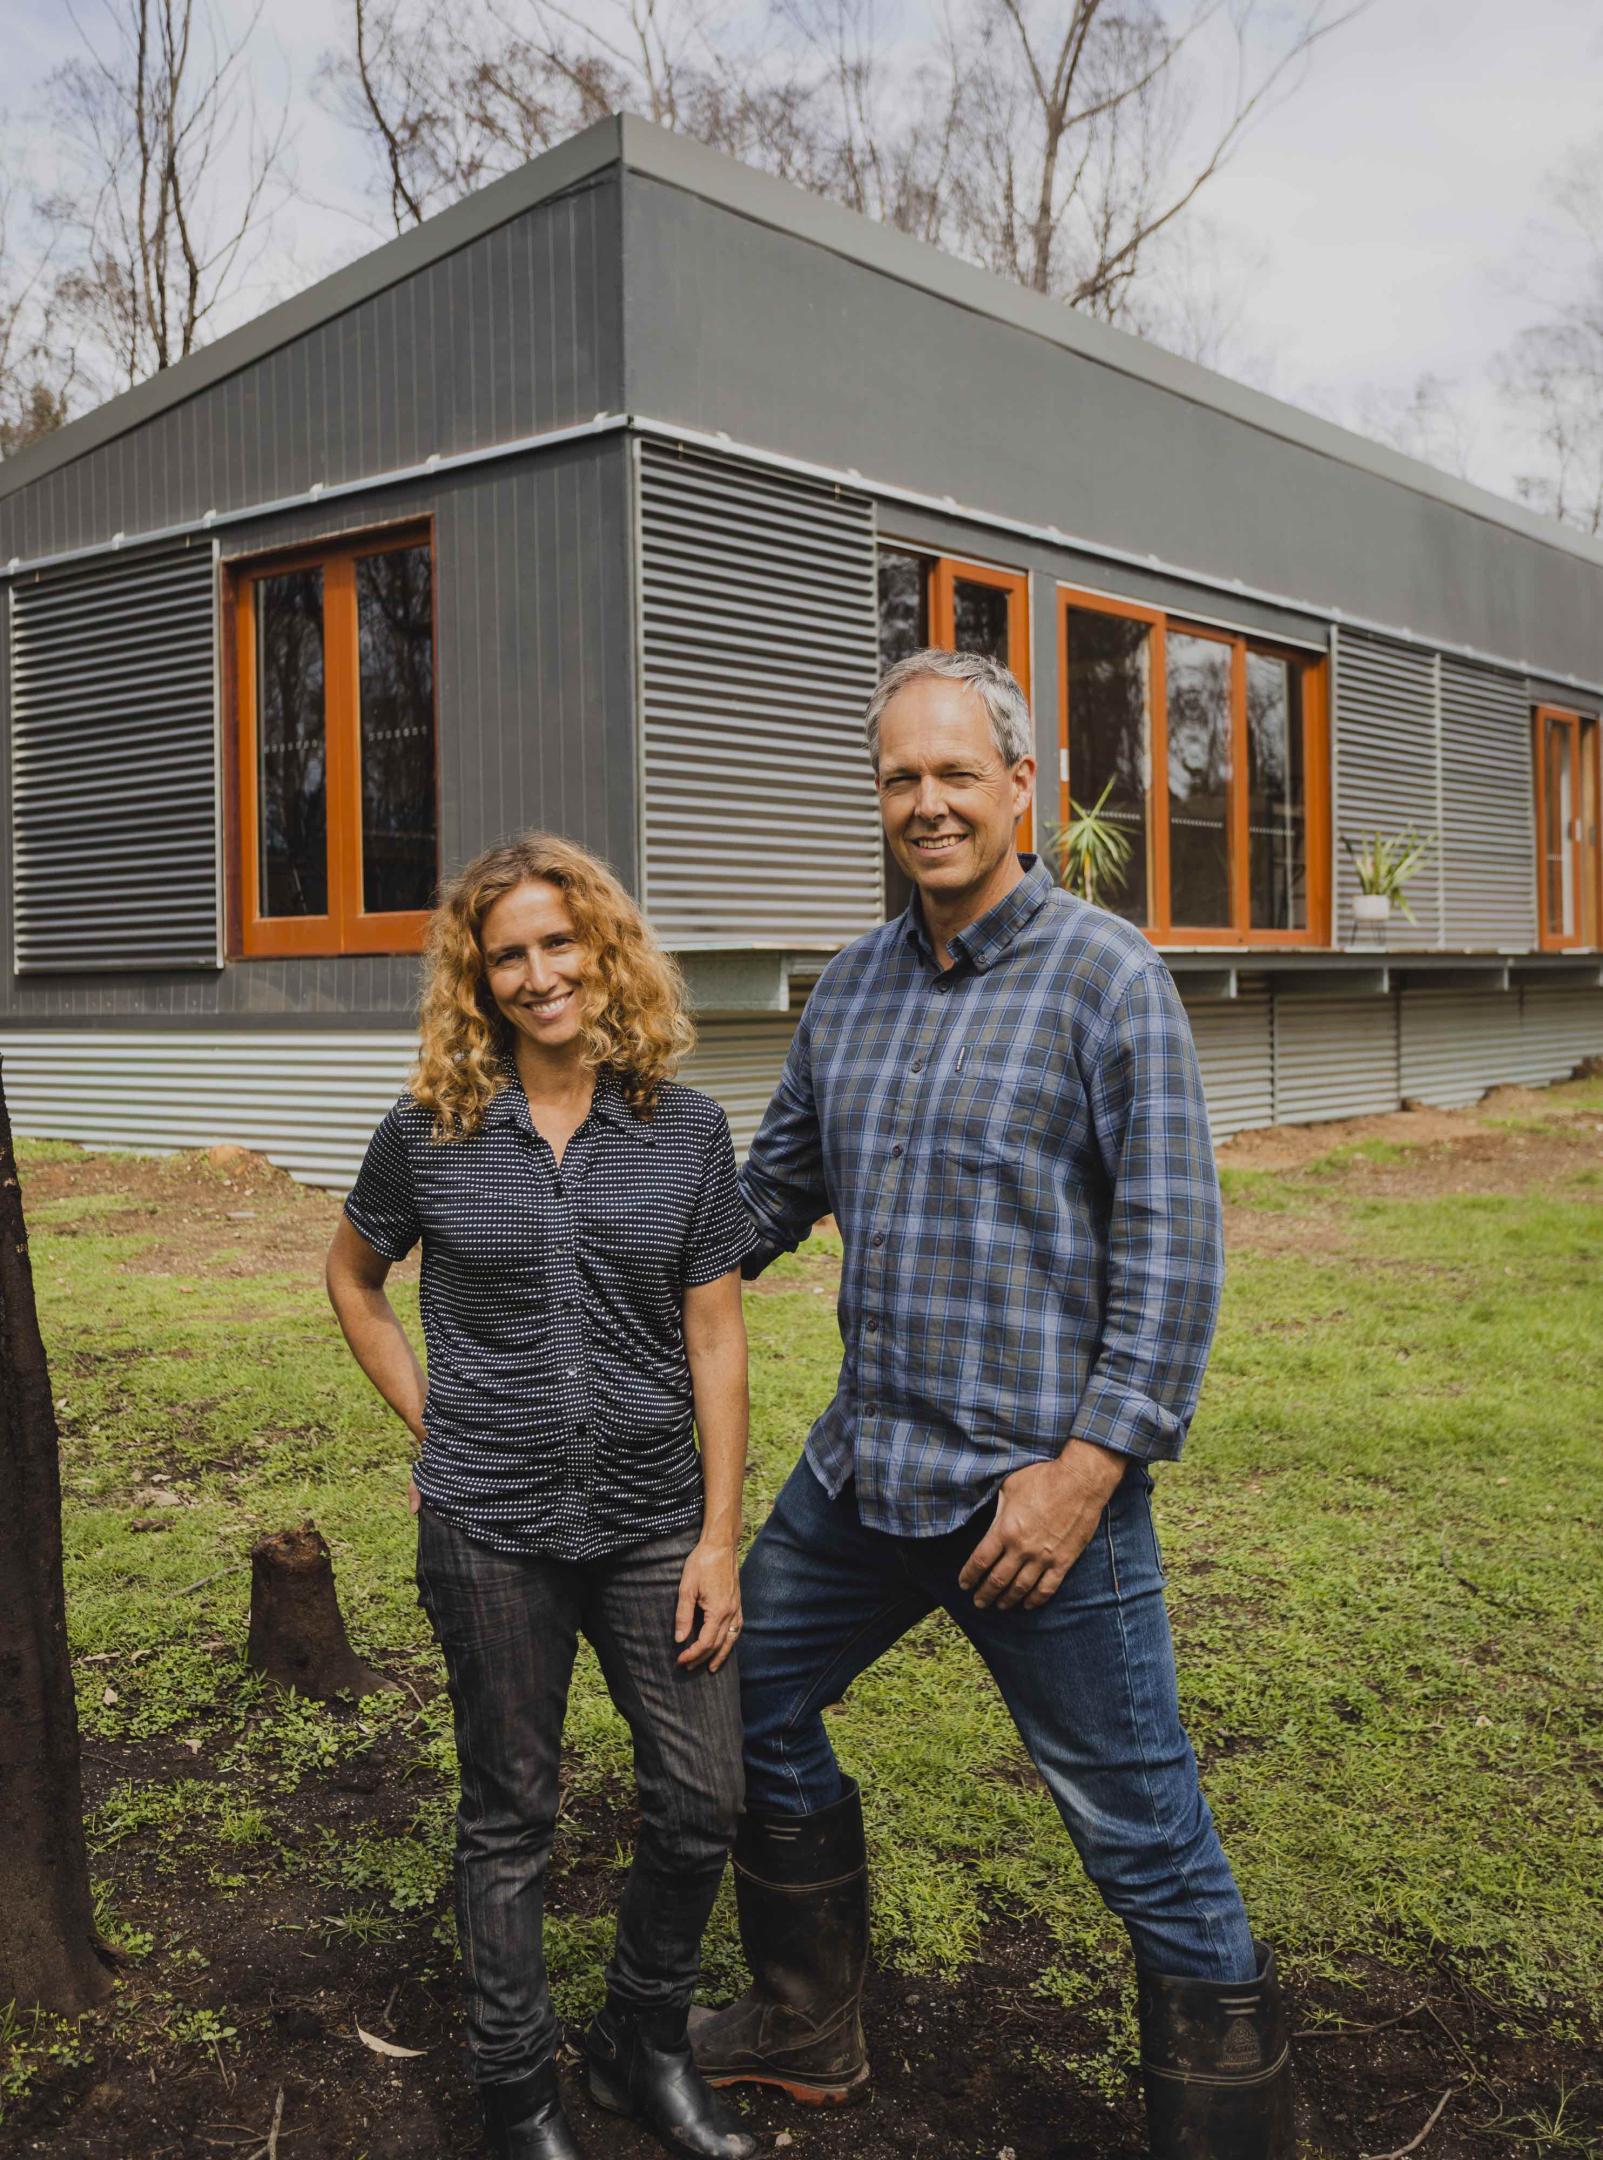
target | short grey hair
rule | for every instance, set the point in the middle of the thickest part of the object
(1006, 706)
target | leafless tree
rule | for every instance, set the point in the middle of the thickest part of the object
(1427, 419)
(1056, 141)
(170, 177)
(1551, 376)
(36, 372)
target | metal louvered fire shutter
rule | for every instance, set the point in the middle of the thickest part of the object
(1387, 770)
(1489, 819)
(1335, 1057)
(114, 764)
(758, 626)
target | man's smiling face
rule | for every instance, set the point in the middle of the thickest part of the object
(948, 802)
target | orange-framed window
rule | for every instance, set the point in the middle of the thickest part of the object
(964, 606)
(338, 795)
(1208, 748)
(1569, 878)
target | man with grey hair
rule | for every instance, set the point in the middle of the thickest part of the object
(997, 1097)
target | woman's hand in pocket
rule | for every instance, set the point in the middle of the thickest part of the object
(709, 1585)
(414, 1499)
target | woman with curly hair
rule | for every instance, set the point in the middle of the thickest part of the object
(582, 1238)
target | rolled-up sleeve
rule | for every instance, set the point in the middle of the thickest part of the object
(1165, 1266)
(782, 1179)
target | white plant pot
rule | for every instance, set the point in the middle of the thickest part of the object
(1371, 908)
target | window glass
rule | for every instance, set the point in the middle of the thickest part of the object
(292, 765)
(1276, 852)
(1198, 712)
(904, 605)
(395, 637)
(1109, 658)
(979, 619)
(1558, 858)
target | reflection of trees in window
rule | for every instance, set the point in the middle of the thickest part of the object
(904, 612)
(979, 619)
(292, 777)
(1198, 711)
(1276, 850)
(1108, 659)
(395, 633)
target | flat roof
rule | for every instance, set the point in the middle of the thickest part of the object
(637, 145)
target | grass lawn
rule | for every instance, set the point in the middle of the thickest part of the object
(1383, 1551)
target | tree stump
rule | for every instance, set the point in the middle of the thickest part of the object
(49, 1954)
(297, 1632)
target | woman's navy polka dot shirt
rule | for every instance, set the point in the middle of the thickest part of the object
(559, 1416)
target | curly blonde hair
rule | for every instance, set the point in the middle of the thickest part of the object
(632, 1014)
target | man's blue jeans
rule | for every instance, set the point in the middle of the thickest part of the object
(1089, 1678)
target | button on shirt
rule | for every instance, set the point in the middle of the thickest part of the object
(1016, 1151)
(559, 1414)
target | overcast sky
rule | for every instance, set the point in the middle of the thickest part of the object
(1391, 211)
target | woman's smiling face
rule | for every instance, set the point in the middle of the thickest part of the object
(534, 963)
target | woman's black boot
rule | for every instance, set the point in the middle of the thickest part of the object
(1216, 2067)
(640, 2065)
(801, 1886)
(523, 2120)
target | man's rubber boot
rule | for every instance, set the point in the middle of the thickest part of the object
(523, 2120)
(801, 1888)
(1216, 2067)
(640, 2065)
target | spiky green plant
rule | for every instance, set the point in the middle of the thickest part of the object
(1385, 862)
(1093, 852)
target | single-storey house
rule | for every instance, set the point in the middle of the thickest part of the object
(596, 503)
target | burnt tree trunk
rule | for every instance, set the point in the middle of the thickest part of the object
(297, 1633)
(48, 1952)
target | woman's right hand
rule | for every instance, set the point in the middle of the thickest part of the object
(414, 1499)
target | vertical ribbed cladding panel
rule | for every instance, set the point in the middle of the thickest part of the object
(1489, 840)
(1334, 1057)
(1387, 770)
(114, 764)
(1235, 1049)
(759, 653)
(739, 1063)
(1557, 1029)
(1455, 1044)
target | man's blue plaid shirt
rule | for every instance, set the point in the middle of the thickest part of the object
(1016, 1150)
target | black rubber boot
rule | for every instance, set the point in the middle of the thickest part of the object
(640, 2065)
(1216, 2067)
(801, 1886)
(523, 2120)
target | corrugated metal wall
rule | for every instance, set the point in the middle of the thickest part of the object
(759, 651)
(1387, 770)
(1235, 1048)
(1335, 1057)
(309, 1102)
(1455, 1044)
(517, 331)
(536, 703)
(115, 839)
(1489, 818)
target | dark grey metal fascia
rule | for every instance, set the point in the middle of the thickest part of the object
(553, 173)
(764, 200)
(399, 476)
(848, 477)
(1054, 536)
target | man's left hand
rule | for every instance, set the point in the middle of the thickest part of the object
(1046, 1515)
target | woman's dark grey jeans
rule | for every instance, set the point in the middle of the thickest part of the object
(509, 1626)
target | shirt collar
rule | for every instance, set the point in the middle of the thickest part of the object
(510, 1106)
(984, 941)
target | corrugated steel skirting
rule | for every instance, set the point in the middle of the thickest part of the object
(309, 1102)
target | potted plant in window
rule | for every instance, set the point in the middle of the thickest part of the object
(1384, 864)
(1093, 852)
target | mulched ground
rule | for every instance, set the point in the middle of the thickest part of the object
(968, 2069)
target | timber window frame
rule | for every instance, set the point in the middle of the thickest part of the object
(344, 924)
(1314, 743)
(944, 576)
(1576, 856)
